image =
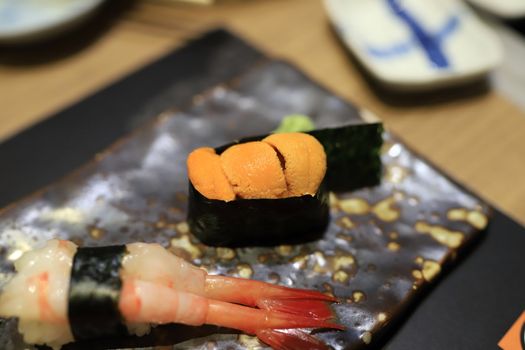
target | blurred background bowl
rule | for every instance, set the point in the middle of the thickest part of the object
(29, 21)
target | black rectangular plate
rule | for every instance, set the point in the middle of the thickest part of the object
(471, 308)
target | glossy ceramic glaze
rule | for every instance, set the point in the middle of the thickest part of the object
(383, 245)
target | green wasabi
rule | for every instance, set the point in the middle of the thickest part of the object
(295, 123)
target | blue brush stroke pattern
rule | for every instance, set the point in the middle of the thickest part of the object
(394, 50)
(430, 42)
(450, 27)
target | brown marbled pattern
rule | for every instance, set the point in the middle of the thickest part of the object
(382, 246)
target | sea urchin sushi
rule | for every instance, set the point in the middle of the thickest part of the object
(261, 192)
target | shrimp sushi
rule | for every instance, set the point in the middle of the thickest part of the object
(63, 293)
(260, 192)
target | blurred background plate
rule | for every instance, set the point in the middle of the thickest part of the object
(415, 45)
(23, 21)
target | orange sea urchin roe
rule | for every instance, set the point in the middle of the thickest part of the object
(305, 161)
(254, 170)
(206, 175)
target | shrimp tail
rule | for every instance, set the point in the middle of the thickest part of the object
(250, 320)
(301, 307)
(290, 339)
(250, 292)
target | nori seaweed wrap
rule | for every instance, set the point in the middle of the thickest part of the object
(353, 161)
(94, 292)
(248, 222)
(353, 155)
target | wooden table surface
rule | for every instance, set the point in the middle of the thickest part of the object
(478, 138)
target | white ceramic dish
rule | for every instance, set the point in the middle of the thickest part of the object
(414, 44)
(509, 9)
(31, 20)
